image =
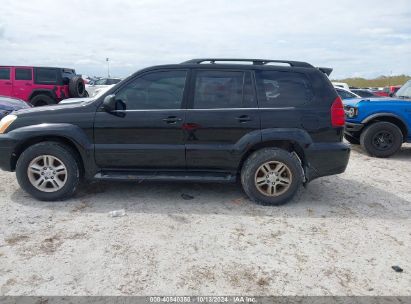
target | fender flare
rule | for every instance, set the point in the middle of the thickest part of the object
(52, 92)
(382, 114)
(68, 132)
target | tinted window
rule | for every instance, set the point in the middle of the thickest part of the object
(282, 89)
(223, 89)
(113, 81)
(363, 93)
(157, 90)
(48, 76)
(5, 73)
(345, 95)
(23, 74)
(101, 82)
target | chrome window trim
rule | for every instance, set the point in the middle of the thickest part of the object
(217, 109)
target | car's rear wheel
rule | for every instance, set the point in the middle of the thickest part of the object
(48, 171)
(271, 176)
(42, 100)
(381, 139)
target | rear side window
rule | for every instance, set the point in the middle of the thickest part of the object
(4, 73)
(282, 89)
(46, 76)
(223, 89)
(23, 74)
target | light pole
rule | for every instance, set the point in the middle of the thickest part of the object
(108, 67)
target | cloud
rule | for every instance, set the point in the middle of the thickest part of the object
(350, 36)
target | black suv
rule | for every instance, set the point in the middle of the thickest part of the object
(272, 124)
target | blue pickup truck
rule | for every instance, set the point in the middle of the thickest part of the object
(380, 125)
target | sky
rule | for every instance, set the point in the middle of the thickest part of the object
(366, 38)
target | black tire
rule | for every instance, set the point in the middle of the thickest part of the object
(61, 152)
(381, 139)
(77, 87)
(256, 160)
(42, 100)
(351, 139)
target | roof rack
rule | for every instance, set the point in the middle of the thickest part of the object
(254, 61)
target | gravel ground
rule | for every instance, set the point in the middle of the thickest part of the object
(339, 236)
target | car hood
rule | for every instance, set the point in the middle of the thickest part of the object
(13, 105)
(355, 101)
(69, 108)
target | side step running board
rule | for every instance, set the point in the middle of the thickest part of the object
(166, 176)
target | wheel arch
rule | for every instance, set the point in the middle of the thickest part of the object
(388, 117)
(287, 145)
(49, 92)
(52, 138)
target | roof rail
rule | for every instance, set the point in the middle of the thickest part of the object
(254, 61)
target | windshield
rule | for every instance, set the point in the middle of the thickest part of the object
(405, 90)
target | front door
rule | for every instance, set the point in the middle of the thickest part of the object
(148, 132)
(223, 111)
(6, 87)
(23, 83)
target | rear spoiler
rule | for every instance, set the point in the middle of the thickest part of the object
(326, 70)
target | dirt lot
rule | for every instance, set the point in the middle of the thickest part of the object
(340, 236)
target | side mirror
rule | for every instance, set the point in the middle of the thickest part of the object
(109, 103)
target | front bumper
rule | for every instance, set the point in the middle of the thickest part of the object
(7, 149)
(352, 127)
(324, 159)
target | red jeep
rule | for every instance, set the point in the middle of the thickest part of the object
(40, 86)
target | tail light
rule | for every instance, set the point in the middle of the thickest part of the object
(337, 113)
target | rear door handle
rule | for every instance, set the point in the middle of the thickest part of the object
(243, 118)
(8, 83)
(172, 119)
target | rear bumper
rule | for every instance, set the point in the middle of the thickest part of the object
(324, 159)
(7, 148)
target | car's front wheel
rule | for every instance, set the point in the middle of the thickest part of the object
(48, 171)
(381, 139)
(271, 176)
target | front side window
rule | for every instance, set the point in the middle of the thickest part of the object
(282, 89)
(4, 73)
(223, 89)
(23, 74)
(156, 90)
(46, 76)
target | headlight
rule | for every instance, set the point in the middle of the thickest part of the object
(6, 122)
(351, 112)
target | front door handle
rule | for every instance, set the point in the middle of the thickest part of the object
(172, 120)
(243, 118)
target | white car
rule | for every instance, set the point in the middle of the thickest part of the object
(98, 93)
(341, 85)
(346, 94)
(95, 86)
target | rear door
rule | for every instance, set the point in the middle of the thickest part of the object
(23, 83)
(6, 87)
(222, 110)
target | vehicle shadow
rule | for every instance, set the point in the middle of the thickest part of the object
(323, 198)
(403, 154)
